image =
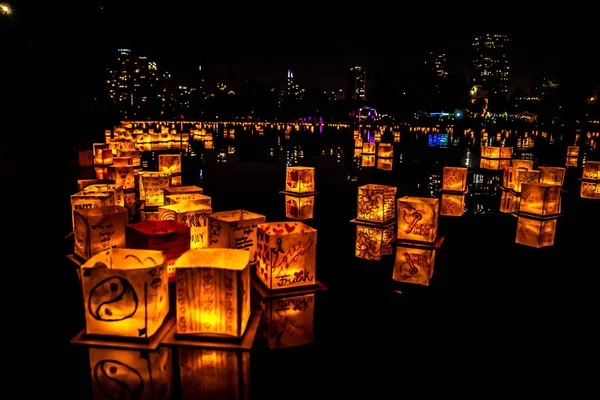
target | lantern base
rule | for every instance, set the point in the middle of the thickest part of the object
(150, 343)
(296, 194)
(374, 224)
(458, 192)
(436, 244)
(535, 216)
(266, 293)
(172, 338)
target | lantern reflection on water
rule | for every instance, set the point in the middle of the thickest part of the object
(131, 374)
(452, 205)
(288, 320)
(454, 179)
(367, 160)
(414, 264)
(527, 164)
(385, 150)
(103, 156)
(572, 159)
(385, 164)
(369, 148)
(98, 229)
(373, 242)
(540, 199)
(535, 232)
(418, 219)
(299, 207)
(214, 374)
(589, 190)
(376, 203)
(591, 171)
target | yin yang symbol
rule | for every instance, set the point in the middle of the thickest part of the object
(112, 299)
(118, 380)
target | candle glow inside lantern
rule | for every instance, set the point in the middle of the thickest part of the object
(131, 374)
(288, 320)
(152, 184)
(535, 232)
(373, 242)
(454, 179)
(368, 148)
(299, 207)
(99, 229)
(195, 198)
(367, 160)
(300, 179)
(589, 190)
(552, 175)
(214, 373)
(509, 202)
(235, 229)
(591, 171)
(123, 176)
(527, 164)
(376, 203)
(125, 292)
(103, 156)
(417, 219)
(170, 164)
(452, 205)
(385, 150)
(540, 199)
(213, 292)
(170, 237)
(286, 253)
(385, 164)
(525, 176)
(196, 216)
(413, 264)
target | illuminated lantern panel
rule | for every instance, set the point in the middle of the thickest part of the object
(452, 205)
(523, 176)
(131, 374)
(534, 232)
(300, 179)
(299, 207)
(369, 148)
(170, 164)
(99, 229)
(171, 237)
(235, 230)
(509, 202)
(418, 218)
(506, 152)
(116, 191)
(195, 198)
(571, 162)
(358, 143)
(358, 152)
(103, 157)
(214, 374)
(591, 171)
(385, 164)
(123, 176)
(527, 164)
(374, 242)
(509, 176)
(286, 253)
(385, 150)
(376, 203)
(213, 292)
(397, 137)
(196, 216)
(572, 151)
(125, 292)
(540, 199)
(589, 190)
(413, 265)
(288, 321)
(136, 157)
(552, 175)
(454, 179)
(367, 160)
(152, 184)
(122, 161)
(86, 200)
(490, 152)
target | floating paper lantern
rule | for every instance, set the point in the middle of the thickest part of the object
(452, 205)
(213, 292)
(373, 242)
(196, 216)
(534, 232)
(123, 176)
(170, 164)
(87, 200)
(125, 293)
(131, 374)
(413, 264)
(300, 179)
(152, 184)
(527, 164)
(523, 176)
(368, 148)
(98, 229)
(299, 207)
(591, 171)
(385, 164)
(367, 160)
(552, 175)
(509, 176)
(235, 230)
(385, 150)
(589, 190)
(195, 198)
(418, 219)
(540, 199)
(286, 253)
(376, 203)
(170, 237)
(103, 157)
(214, 374)
(358, 143)
(289, 320)
(509, 202)
(454, 179)
(116, 191)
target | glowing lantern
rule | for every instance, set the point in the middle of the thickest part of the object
(373, 242)
(535, 232)
(170, 164)
(376, 203)
(125, 293)
(213, 292)
(131, 374)
(493, 164)
(385, 164)
(368, 160)
(385, 150)
(552, 175)
(527, 164)
(299, 207)
(116, 191)
(214, 374)
(572, 151)
(196, 216)
(123, 176)
(509, 202)
(86, 200)
(136, 157)
(103, 157)
(495, 158)
(509, 177)
(288, 320)
(300, 179)
(369, 148)
(591, 171)
(286, 253)
(235, 230)
(99, 229)
(122, 161)
(523, 176)
(452, 205)
(413, 264)
(589, 190)
(540, 199)
(454, 179)
(418, 219)
(152, 184)
(170, 237)
(571, 162)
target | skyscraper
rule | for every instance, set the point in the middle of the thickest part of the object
(436, 63)
(357, 84)
(491, 67)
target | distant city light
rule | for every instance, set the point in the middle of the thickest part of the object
(5, 8)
